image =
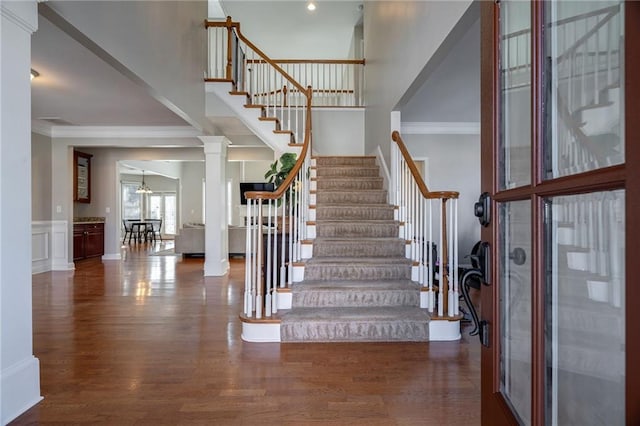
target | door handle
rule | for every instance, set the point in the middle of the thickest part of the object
(482, 209)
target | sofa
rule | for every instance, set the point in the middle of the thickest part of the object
(237, 240)
(190, 240)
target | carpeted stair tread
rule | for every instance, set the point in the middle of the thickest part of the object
(345, 161)
(362, 228)
(316, 293)
(315, 285)
(330, 171)
(350, 212)
(361, 324)
(349, 183)
(377, 261)
(366, 196)
(364, 246)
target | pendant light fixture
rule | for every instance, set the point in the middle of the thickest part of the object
(143, 188)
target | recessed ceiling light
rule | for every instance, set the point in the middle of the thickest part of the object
(311, 6)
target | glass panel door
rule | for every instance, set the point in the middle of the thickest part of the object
(170, 217)
(585, 309)
(562, 167)
(163, 206)
(515, 307)
(515, 94)
(584, 51)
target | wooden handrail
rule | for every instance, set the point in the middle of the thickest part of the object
(279, 192)
(308, 92)
(230, 25)
(312, 61)
(395, 136)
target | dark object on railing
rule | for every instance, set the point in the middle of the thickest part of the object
(253, 186)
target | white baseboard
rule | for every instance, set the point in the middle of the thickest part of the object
(112, 256)
(260, 333)
(21, 385)
(444, 330)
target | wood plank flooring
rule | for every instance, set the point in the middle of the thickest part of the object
(150, 341)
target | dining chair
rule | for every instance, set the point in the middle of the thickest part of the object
(154, 230)
(127, 230)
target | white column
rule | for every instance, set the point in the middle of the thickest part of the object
(216, 251)
(19, 369)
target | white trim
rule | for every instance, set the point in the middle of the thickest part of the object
(257, 332)
(285, 299)
(22, 380)
(16, 18)
(441, 128)
(444, 330)
(112, 256)
(49, 239)
(124, 132)
(41, 128)
(382, 164)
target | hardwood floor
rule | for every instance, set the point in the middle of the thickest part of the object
(149, 340)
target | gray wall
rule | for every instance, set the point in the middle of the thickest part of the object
(191, 192)
(40, 177)
(454, 165)
(338, 131)
(161, 42)
(400, 38)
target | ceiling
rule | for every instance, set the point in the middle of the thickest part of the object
(77, 88)
(325, 33)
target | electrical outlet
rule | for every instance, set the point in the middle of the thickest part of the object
(107, 210)
(58, 209)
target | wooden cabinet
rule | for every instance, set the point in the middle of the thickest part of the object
(88, 240)
(81, 177)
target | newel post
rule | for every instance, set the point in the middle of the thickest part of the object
(229, 47)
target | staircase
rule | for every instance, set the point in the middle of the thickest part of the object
(357, 286)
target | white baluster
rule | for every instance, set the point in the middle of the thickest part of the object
(283, 268)
(267, 301)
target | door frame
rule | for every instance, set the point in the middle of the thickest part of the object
(495, 410)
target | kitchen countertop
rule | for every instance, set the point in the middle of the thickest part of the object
(84, 220)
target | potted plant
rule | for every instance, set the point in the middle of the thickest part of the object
(277, 175)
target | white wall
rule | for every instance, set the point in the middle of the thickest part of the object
(161, 43)
(338, 131)
(400, 38)
(454, 165)
(19, 369)
(40, 177)
(191, 192)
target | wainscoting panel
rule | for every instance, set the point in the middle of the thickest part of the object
(49, 246)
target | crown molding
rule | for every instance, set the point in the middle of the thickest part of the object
(41, 128)
(441, 128)
(19, 13)
(124, 132)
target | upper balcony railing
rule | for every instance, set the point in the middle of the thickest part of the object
(336, 83)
